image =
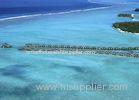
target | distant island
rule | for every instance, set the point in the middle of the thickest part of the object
(137, 9)
(126, 15)
(130, 27)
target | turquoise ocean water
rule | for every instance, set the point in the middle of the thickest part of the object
(20, 72)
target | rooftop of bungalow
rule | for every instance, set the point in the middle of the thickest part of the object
(37, 47)
(5, 45)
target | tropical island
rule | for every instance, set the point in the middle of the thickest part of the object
(137, 9)
(130, 27)
(126, 15)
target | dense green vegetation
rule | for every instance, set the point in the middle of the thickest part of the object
(126, 15)
(137, 9)
(132, 27)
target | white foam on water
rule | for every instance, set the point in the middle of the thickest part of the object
(18, 17)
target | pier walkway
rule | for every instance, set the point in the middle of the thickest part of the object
(84, 50)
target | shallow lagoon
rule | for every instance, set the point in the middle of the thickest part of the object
(19, 72)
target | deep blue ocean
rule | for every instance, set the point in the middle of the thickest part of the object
(17, 11)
